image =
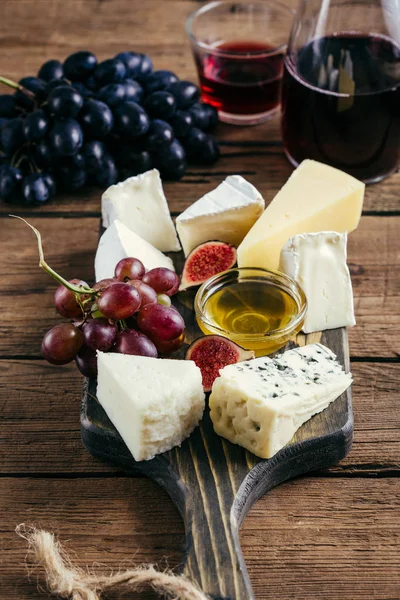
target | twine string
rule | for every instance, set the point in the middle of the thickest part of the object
(66, 580)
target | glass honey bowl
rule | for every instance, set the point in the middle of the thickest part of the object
(258, 309)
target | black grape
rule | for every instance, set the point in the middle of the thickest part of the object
(97, 119)
(159, 80)
(71, 177)
(185, 93)
(204, 116)
(137, 161)
(64, 101)
(35, 189)
(34, 85)
(131, 120)
(10, 181)
(181, 122)
(133, 91)
(94, 153)
(132, 62)
(43, 154)
(112, 94)
(110, 71)
(171, 160)
(66, 137)
(201, 147)
(146, 67)
(159, 134)
(160, 105)
(107, 174)
(36, 126)
(50, 182)
(80, 65)
(52, 69)
(12, 135)
(84, 91)
(8, 106)
(54, 83)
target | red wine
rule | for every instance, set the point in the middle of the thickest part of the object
(245, 84)
(341, 104)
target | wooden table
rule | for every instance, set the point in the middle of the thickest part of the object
(333, 534)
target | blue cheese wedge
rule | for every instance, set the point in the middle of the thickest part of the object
(226, 214)
(140, 204)
(118, 242)
(317, 261)
(153, 403)
(260, 404)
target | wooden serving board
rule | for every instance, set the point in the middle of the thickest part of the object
(214, 483)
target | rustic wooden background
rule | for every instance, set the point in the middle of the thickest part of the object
(330, 535)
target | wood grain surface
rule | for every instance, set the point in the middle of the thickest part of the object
(333, 535)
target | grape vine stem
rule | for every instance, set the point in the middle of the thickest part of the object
(17, 86)
(43, 264)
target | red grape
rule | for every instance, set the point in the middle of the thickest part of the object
(65, 301)
(119, 301)
(86, 361)
(163, 280)
(61, 343)
(161, 322)
(99, 334)
(147, 294)
(129, 268)
(103, 284)
(131, 341)
(170, 346)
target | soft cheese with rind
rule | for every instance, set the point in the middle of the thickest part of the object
(317, 261)
(140, 204)
(153, 403)
(226, 214)
(260, 404)
(316, 197)
(117, 242)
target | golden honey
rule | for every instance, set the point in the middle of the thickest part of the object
(258, 309)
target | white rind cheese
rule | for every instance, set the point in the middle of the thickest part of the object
(226, 214)
(118, 242)
(316, 197)
(153, 403)
(260, 404)
(317, 261)
(140, 203)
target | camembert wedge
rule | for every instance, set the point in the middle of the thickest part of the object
(261, 403)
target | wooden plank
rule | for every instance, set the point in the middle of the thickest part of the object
(309, 538)
(40, 433)
(27, 292)
(108, 28)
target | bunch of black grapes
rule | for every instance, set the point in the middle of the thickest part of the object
(84, 122)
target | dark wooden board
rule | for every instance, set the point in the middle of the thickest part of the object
(214, 483)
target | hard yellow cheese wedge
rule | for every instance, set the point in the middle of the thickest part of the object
(316, 197)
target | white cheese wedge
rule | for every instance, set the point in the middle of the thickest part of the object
(118, 242)
(260, 404)
(226, 214)
(140, 203)
(317, 261)
(316, 197)
(153, 403)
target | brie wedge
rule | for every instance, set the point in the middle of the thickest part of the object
(226, 214)
(140, 204)
(153, 403)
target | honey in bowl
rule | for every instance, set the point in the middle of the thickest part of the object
(258, 309)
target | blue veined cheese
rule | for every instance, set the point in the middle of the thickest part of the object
(317, 261)
(153, 403)
(140, 204)
(226, 214)
(117, 242)
(260, 404)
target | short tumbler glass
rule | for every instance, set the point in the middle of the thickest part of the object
(239, 49)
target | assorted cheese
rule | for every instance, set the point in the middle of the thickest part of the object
(260, 404)
(317, 261)
(225, 214)
(117, 242)
(315, 198)
(140, 204)
(153, 403)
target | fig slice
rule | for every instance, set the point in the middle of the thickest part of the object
(206, 260)
(213, 352)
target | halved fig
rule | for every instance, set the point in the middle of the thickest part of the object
(206, 260)
(214, 352)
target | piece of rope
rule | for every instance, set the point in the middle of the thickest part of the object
(70, 582)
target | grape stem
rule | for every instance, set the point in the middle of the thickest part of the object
(43, 264)
(17, 86)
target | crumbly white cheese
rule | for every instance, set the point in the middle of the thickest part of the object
(153, 403)
(317, 261)
(226, 214)
(140, 204)
(118, 242)
(260, 404)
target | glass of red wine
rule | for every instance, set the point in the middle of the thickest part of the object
(239, 49)
(341, 86)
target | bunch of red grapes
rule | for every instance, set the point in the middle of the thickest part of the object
(130, 313)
